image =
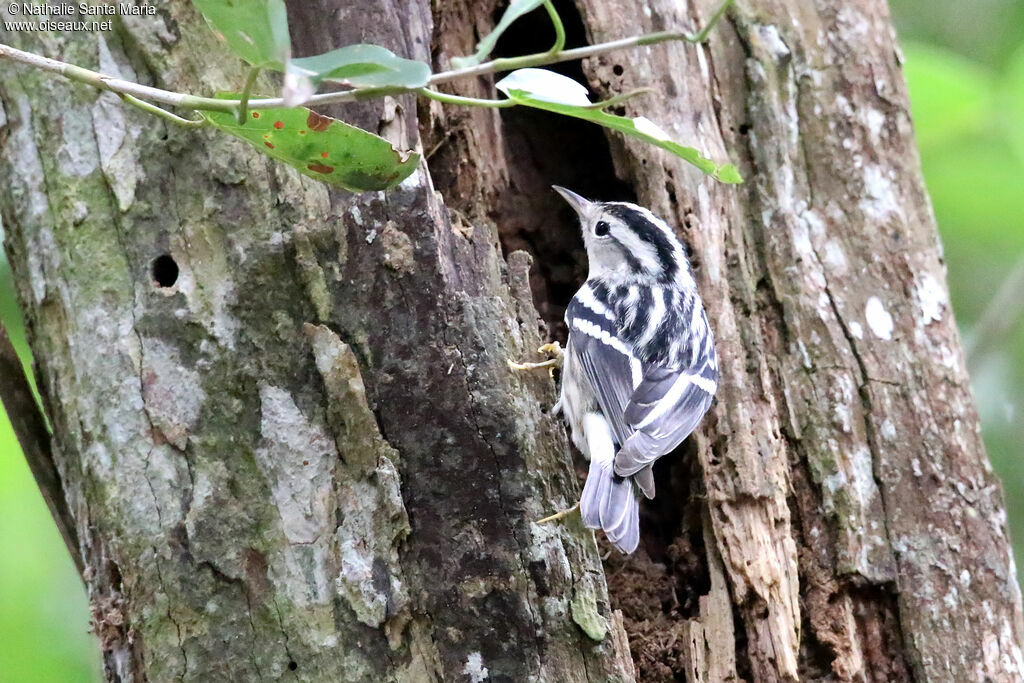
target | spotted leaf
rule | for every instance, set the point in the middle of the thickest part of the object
(321, 147)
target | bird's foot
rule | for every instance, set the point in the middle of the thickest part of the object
(553, 349)
(559, 515)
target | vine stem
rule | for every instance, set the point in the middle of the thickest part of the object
(116, 85)
(150, 108)
(556, 22)
(466, 101)
(175, 99)
(250, 81)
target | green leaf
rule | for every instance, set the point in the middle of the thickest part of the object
(321, 147)
(639, 128)
(515, 10)
(256, 30)
(363, 66)
(546, 95)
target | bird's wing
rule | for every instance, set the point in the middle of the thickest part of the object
(613, 373)
(665, 408)
(606, 360)
(651, 408)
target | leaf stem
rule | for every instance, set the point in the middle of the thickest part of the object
(556, 22)
(467, 101)
(543, 58)
(175, 99)
(619, 99)
(702, 35)
(162, 113)
(250, 81)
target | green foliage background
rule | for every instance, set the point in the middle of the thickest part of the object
(44, 615)
(965, 68)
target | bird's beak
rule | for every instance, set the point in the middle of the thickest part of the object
(578, 203)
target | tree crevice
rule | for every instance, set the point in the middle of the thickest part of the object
(794, 536)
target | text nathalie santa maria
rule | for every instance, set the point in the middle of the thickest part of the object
(44, 9)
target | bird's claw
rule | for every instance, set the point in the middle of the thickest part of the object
(552, 349)
(552, 363)
(559, 515)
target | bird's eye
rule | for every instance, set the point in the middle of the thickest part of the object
(602, 228)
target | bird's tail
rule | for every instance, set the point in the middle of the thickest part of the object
(609, 502)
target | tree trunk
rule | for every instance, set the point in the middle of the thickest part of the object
(287, 435)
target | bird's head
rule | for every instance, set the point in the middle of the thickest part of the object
(627, 242)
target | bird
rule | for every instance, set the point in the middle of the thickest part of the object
(639, 370)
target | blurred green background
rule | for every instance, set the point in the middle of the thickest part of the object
(965, 67)
(44, 615)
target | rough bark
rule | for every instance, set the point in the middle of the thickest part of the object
(305, 458)
(862, 530)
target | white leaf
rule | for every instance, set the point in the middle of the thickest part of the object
(545, 85)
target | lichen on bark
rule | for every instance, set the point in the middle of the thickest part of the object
(302, 455)
(305, 457)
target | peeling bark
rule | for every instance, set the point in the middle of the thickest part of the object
(305, 457)
(859, 522)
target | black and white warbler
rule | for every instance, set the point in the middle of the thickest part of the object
(639, 369)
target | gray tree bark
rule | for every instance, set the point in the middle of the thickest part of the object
(306, 458)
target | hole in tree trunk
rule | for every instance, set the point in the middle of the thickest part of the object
(165, 270)
(545, 149)
(658, 587)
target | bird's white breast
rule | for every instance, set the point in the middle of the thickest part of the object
(576, 399)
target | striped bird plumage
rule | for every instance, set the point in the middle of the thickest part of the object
(640, 369)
